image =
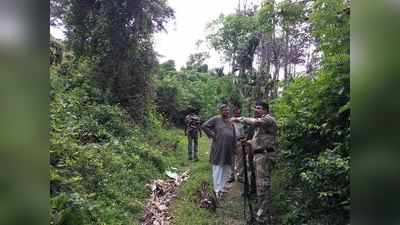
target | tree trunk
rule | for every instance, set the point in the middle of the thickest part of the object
(275, 80)
(262, 73)
(286, 60)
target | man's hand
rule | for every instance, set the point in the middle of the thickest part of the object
(243, 140)
(236, 119)
(246, 143)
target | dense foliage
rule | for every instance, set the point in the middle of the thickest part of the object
(116, 37)
(315, 149)
(110, 101)
(259, 42)
(177, 92)
(99, 160)
(100, 101)
(313, 107)
(314, 119)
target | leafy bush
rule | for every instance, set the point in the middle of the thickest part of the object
(313, 115)
(314, 119)
(100, 160)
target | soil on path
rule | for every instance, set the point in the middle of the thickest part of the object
(230, 208)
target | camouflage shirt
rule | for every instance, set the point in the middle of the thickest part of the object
(192, 122)
(265, 134)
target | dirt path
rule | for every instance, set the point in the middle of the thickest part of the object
(230, 208)
(186, 209)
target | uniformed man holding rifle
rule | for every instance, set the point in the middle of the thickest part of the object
(264, 147)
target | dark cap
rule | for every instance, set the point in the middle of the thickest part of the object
(222, 105)
(263, 104)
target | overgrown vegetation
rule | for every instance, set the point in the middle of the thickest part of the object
(313, 181)
(100, 160)
(106, 136)
(110, 104)
(314, 120)
(116, 36)
(178, 91)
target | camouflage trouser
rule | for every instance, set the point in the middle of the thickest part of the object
(192, 146)
(234, 158)
(263, 182)
(239, 161)
(236, 161)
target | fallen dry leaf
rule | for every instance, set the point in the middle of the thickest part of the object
(162, 192)
(207, 200)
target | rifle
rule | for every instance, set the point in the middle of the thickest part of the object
(253, 188)
(246, 186)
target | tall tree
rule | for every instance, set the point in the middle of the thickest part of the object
(296, 35)
(314, 114)
(235, 35)
(196, 62)
(266, 23)
(117, 38)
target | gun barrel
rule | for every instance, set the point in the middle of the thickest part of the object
(246, 187)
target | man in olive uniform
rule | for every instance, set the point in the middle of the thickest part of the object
(264, 147)
(192, 130)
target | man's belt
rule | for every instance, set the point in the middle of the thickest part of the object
(260, 151)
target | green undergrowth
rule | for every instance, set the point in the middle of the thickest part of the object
(100, 160)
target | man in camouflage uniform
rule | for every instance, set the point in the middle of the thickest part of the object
(192, 131)
(264, 146)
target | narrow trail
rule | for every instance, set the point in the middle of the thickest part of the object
(231, 206)
(185, 209)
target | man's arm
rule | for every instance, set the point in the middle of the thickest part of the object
(254, 121)
(185, 125)
(199, 127)
(209, 127)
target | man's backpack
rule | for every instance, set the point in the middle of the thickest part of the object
(193, 122)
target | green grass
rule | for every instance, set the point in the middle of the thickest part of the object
(185, 209)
